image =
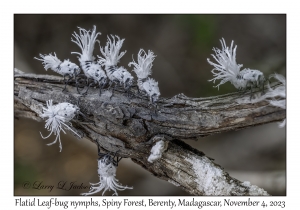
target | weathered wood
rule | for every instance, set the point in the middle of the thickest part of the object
(130, 125)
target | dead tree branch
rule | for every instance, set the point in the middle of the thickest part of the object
(131, 125)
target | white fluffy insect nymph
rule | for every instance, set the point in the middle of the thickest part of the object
(276, 95)
(107, 172)
(143, 69)
(92, 69)
(226, 69)
(111, 56)
(157, 150)
(150, 86)
(126, 78)
(59, 116)
(63, 68)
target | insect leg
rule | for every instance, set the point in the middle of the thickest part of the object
(79, 82)
(88, 79)
(153, 104)
(89, 85)
(110, 84)
(66, 82)
(113, 84)
(83, 115)
(80, 113)
(263, 87)
(265, 81)
(101, 86)
(77, 86)
(113, 87)
(251, 93)
(248, 84)
(129, 95)
(100, 154)
(116, 162)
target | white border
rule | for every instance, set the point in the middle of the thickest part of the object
(154, 6)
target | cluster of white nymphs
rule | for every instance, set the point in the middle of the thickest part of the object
(92, 69)
(107, 174)
(63, 68)
(143, 69)
(59, 116)
(227, 70)
(111, 56)
(99, 69)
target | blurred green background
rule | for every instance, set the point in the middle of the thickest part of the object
(182, 44)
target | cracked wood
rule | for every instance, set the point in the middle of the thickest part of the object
(129, 125)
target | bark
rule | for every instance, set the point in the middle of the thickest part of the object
(131, 126)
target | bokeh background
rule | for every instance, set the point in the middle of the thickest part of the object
(182, 44)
